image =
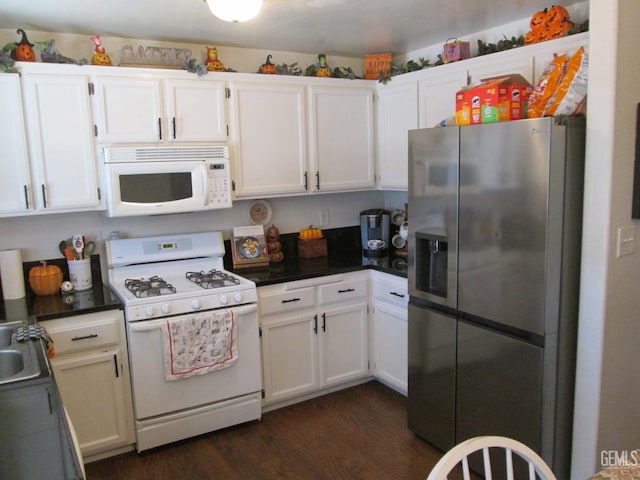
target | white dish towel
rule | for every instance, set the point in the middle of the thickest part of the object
(199, 344)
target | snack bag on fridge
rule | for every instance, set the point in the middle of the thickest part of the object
(545, 87)
(572, 91)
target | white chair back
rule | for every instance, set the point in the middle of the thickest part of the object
(460, 453)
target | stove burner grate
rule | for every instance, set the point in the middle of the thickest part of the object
(150, 287)
(212, 279)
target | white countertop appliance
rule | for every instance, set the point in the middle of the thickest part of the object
(175, 277)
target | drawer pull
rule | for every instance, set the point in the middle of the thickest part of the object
(347, 290)
(289, 300)
(93, 335)
(397, 294)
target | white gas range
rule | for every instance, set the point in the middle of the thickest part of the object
(173, 277)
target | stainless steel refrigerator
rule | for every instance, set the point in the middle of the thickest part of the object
(495, 214)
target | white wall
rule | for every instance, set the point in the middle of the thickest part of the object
(608, 384)
(38, 236)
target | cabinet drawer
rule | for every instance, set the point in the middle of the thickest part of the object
(395, 293)
(277, 302)
(71, 336)
(343, 291)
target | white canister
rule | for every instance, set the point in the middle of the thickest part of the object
(80, 274)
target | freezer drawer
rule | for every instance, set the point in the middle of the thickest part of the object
(499, 380)
(432, 363)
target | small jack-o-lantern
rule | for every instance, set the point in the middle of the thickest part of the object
(268, 67)
(100, 56)
(556, 14)
(24, 50)
(538, 19)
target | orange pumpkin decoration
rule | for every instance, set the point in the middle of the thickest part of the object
(538, 19)
(24, 50)
(268, 67)
(560, 29)
(45, 279)
(310, 233)
(556, 15)
(531, 37)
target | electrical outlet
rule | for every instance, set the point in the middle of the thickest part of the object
(626, 241)
(324, 217)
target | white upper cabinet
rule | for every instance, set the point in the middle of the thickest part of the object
(14, 167)
(152, 109)
(397, 114)
(297, 135)
(196, 110)
(341, 137)
(129, 109)
(59, 127)
(269, 138)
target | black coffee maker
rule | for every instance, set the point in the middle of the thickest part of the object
(374, 231)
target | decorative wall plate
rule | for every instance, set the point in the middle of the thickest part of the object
(260, 212)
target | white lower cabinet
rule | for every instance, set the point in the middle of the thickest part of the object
(314, 335)
(91, 369)
(390, 342)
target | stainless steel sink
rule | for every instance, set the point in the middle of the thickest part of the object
(18, 361)
(5, 336)
(11, 362)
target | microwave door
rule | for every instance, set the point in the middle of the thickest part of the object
(156, 188)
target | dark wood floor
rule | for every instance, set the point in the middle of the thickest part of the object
(359, 433)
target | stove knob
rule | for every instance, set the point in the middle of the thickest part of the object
(223, 299)
(148, 311)
(165, 308)
(238, 297)
(195, 304)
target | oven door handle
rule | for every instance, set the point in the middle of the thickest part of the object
(147, 326)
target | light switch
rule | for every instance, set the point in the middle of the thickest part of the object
(626, 240)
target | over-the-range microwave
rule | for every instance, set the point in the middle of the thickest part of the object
(162, 180)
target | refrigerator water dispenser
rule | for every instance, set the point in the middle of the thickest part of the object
(431, 263)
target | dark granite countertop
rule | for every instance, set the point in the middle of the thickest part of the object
(344, 254)
(97, 299)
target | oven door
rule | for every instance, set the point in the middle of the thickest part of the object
(155, 188)
(153, 395)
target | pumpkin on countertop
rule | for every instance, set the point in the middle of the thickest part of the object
(45, 279)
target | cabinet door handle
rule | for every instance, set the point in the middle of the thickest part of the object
(317, 180)
(315, 324)
(324, 322)
(93, 335)
(159, 128)
(289, 300)
(173, 125)
(44, 195)
(347, 290)
(115, 363)
(306, 185)
(397, 294)
(26, 197)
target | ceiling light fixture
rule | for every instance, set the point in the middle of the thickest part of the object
(234, 10)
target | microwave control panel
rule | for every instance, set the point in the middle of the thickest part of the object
(219, 183)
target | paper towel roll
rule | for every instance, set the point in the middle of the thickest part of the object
(11, 274)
